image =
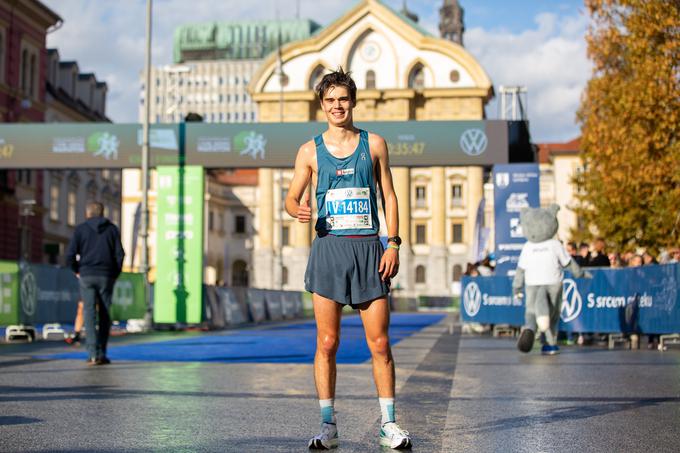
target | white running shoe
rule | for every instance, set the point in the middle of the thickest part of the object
(327, 439)
(391, 435)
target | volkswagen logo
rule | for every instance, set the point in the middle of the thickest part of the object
(472, 299)
(29, 293)
(473, 142)
(571, 301)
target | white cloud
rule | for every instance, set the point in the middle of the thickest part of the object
(550, 60)
(107, 38)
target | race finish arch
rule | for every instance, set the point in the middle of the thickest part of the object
(252, 145)
(182, 151)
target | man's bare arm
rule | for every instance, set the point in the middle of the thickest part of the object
(389, 262)
(299, 183)
(390, 205)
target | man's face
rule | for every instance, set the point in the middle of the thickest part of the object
(337, 105)
(570, 249)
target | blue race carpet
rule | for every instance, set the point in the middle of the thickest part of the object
(277, 344)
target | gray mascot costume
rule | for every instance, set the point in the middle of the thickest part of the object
(540, 273)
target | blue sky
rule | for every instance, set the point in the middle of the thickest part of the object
(536, 43)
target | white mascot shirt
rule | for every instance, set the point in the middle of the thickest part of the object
(543, 262)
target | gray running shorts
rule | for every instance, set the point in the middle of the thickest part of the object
(346, 269)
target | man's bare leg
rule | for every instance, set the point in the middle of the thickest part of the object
(375, 316)
(327, 314)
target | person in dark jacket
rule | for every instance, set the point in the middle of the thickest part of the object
(599, 258)
(96, 254)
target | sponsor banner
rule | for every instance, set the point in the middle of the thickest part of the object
(178, 296)
(411, 143)
(645, 299)
(292, 304)
(242, 145)
(47, 294)
(9, 293)
(488, 300)
(515, 187)
(50, 294)
(256, 305)
(129, 301)
(274, 305)
(233, 315)
(85, 145)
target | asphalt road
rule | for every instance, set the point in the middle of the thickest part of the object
(455, 393)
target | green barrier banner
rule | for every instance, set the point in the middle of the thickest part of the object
(178, 294)
(242, 145)
(128, 297)
(9, 293)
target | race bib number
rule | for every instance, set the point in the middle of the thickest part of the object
(348, 209)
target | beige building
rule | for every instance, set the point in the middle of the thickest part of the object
(403, 73)
(560, 163)
(230, 205)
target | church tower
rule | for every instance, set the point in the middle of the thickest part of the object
(451, 24)
(410, 14)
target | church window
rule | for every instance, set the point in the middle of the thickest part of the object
(416, 78)
(370, 79)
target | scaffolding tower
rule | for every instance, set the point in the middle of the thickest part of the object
(514, 103)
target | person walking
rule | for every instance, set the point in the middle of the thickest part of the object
(347, 263)
(95, 254)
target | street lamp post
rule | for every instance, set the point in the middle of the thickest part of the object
(283, 80)
(145, 164)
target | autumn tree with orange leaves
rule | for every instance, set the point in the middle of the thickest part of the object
(630, 118)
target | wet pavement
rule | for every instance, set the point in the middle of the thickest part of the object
(455, 393)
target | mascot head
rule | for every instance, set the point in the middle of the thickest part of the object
(539, 224)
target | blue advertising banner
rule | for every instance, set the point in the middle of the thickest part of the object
(488, 300)
(644, 299)
(515, 186)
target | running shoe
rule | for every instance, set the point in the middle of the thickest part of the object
(327, 439)
(526, 340)
(391, 435)
(550, 350)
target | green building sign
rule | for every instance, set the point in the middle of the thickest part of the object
(178, 293)
(9, 293)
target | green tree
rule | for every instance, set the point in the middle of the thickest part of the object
(630, 119)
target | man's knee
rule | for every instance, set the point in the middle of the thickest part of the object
(380, 346)
(327, 344)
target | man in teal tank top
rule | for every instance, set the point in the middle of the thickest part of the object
(347, 263)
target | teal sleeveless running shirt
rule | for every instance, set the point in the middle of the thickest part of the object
(345, 191)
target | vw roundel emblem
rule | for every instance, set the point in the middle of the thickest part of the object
(29, 293)
(472, 299)
(473, 142)
(571, 301)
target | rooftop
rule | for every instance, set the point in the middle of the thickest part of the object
(545, 150)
